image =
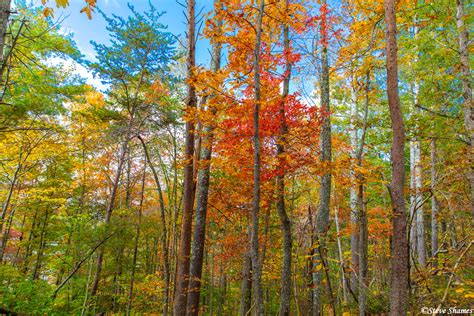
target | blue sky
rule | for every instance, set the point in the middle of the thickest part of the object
(85, 30)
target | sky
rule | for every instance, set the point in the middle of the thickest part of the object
(84, 30)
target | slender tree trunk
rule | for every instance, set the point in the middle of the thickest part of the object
(420, 221)
(78, 266)
(39, 253)
(362, 214)
(182, 273)
(363, 251)
(246, 285)
(417, 175)
(322, 219)
(468, 107)
(6, 204)
(434, 205)
(137, 239)
(256, 263)
(341, 255)
(310, 262)
(6, 235)
(412, 218)
(5, 9)
(285, 292)
(399, 253)
(31, 236)
(202, 195)
(353, 199)
(164, 238)
(110, 208)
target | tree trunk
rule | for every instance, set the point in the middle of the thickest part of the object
(6, 204)
(362, 214)
(6, 235)
(164, 238)
(39, 253)
(399, 253)
(353, 199)
(256, 264)
(182, 273)
(412, 218)
(420, 221)
(363, 251)
(322, 220)
(417, 175)
(246, 285)
(468, 107)
(5, 10)
(110, 208)
(434, 205)
(202, 196)
(137, 239)
(341, 256)
(285, 292)
(5, 207)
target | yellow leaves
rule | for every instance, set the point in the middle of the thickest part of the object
(62, 3)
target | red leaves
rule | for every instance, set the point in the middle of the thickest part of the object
(326, 22)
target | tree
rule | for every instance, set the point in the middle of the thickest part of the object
(285, 221)
(203, 176)
(468, 107)
(139, 36)
(322, 218)
(399, 259)
(182, 274)
(254, 252)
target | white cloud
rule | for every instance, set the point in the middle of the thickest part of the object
(80, 70)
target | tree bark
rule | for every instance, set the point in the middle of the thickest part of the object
(256, 263)
(182, 273)
(416, 176)
(246, 285)
(362, 214)
(412, 218)
(198, 244)
(363, 252)
(399, 253)
(468, 107)
(285, 292)
(434, 205)
(353, 199)
(420, 220)
(322, 219)
(5, 9)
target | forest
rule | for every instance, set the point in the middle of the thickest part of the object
(319, 160)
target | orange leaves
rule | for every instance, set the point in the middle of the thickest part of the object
(88, 9)
(379, 223)
(48, 12)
